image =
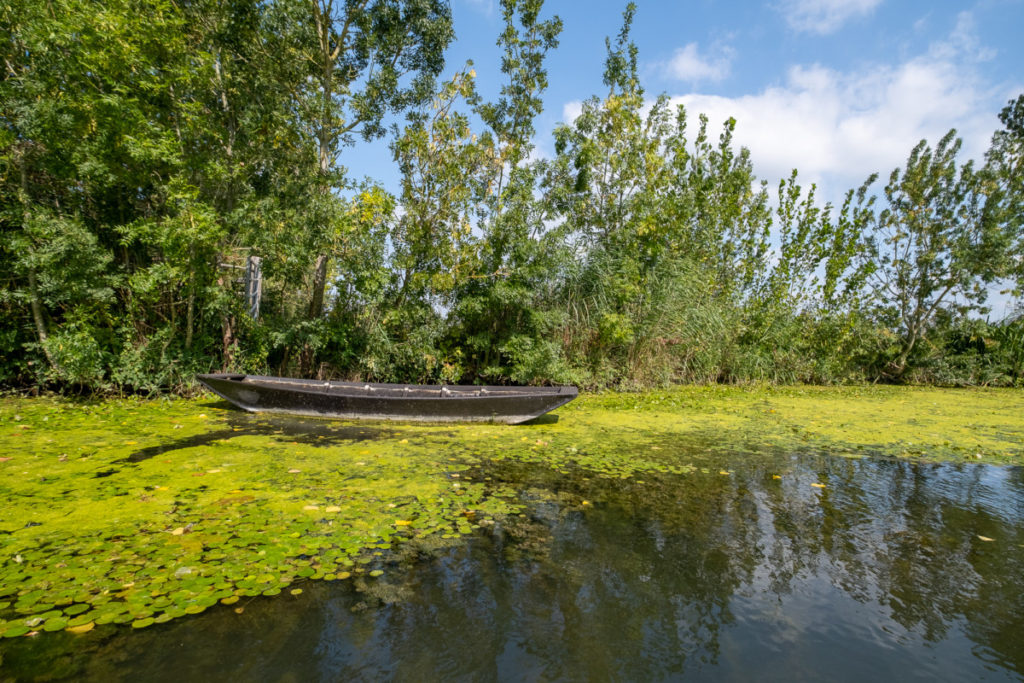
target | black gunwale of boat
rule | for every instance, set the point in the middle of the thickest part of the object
(387, 391)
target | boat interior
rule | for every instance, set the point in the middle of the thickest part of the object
(391, 390)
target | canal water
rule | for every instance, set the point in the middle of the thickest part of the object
(792, 566)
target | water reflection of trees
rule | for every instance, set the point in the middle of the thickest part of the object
(644, 584)
(905, 536)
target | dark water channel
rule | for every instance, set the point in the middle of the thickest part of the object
(885, 573)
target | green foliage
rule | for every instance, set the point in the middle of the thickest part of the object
(970, 352)
(149, 149)
(936, 246)
(1009, 338)
(1004, 170)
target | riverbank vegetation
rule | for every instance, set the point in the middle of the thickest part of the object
(174, 200)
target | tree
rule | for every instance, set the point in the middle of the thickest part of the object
(665, 228)
(367, 58)
(936, 245)
(442, 162)
(499, 317)
(1005, 164)
(146, 144)
(717, 213)
(606, 186)
(610, 170)
(87, 148)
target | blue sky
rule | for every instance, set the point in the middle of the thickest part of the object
(835, 88)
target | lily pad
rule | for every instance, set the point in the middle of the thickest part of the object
(55, 624)
(82, 619)
(15, 631)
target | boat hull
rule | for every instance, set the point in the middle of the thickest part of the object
(422, 403)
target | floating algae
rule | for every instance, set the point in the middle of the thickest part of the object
(91, 535)
(140, 512)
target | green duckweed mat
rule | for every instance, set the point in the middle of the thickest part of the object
(138, 512)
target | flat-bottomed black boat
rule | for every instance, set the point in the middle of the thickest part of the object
(425, 403)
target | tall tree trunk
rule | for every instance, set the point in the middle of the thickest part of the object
(191, 306)
(37, 316)
(190, 315)
(322, 14)
(33, 286)
(229, 341)
(316, 308)
(229, 337)
(316, 304)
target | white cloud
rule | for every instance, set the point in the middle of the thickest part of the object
(838, 127)
(485, 7)
(687, 64)
(824, 16)
(963, 41)
(571, 110)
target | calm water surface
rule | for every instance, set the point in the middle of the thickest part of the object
(882, 574)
